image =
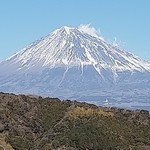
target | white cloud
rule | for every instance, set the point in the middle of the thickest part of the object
(86, 28)
(118, 43)
(90, 30)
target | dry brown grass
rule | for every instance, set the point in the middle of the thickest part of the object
(3, 144)
(87, 112)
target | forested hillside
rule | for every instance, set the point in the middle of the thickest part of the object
(36, 123)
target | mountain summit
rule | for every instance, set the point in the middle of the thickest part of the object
(74, 63)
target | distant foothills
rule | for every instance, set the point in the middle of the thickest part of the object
(30, 122)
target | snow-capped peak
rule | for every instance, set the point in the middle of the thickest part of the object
(66, 29)
(81, 46)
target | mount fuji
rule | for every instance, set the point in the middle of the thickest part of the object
(74, 63)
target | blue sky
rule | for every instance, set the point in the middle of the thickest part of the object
(24, 21)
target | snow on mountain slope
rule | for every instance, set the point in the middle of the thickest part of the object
(73, 47)
(74, 63)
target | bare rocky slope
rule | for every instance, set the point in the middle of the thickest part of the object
(34, 123)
